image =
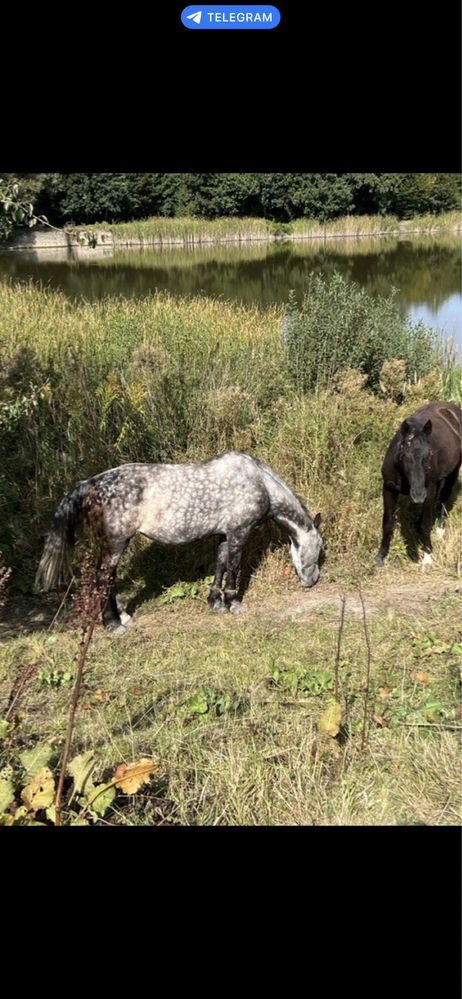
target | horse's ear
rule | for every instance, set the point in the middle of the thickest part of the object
(317, 520)
(428, 427)
(404, 428)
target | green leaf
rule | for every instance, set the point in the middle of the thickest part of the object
(6, 790)
(80, 768)
(100, 798)
(432, 711)
(4, 726)
(35, 759)
(198, 704)
(329, 721)
(51, 813)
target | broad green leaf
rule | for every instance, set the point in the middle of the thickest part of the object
(100, 799)
(80, 768)
(432, 711)
(4, 726)
(51, 813)
(329, 722)
(198, 704)
(35, 759)
(40, 792)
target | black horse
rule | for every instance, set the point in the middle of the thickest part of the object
(423, 460)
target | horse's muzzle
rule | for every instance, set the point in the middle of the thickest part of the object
(418, 497)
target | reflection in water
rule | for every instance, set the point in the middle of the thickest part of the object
(425, 271)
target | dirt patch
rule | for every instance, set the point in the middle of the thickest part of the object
(391, 591)
(412, 596)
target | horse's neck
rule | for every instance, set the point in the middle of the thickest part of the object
(286, 508)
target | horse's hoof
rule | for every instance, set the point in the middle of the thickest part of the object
(379, 561)
(218, 607)
(115, 629)
(126, 619)
(237, 608)
(427, 561)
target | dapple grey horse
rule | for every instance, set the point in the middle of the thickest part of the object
(227, 495)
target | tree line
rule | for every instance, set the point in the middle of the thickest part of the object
(85, 198)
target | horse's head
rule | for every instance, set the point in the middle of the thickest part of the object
(415, 453)
(305, 549)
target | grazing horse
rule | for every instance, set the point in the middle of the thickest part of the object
(422, 459)
(227, 495)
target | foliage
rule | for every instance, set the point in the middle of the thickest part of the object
(14, 210)
(86, 198)
(339, 325)
(87, 387)
(27, 786)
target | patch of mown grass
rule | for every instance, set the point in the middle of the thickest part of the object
(215, 703)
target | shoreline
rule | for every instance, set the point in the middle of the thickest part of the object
(90, 238)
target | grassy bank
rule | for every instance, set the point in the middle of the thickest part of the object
(192, 230)
(230, 708)
(88, 387)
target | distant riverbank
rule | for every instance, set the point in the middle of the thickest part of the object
(188, 230)
(158, 231)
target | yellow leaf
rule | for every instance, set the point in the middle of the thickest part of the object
(329, 722)
(130, 778)
(384, 693)
(420, 677)
(40, 792)
(99, 695)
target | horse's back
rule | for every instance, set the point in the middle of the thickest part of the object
(440, 411)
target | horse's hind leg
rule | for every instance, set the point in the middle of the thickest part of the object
(390, 500)
(106, 575)
(214, 598)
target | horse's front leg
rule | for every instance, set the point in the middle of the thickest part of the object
(236, 542)
(444, 494)
(424, 524)
(214, 598)
(390, 500)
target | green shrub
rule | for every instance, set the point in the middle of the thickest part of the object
(339, 325)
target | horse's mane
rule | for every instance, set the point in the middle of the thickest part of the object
(307, 521)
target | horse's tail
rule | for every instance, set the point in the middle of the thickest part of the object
(53, 567)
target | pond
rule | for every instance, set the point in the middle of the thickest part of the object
(425, 270)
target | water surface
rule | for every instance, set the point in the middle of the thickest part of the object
(425, 270)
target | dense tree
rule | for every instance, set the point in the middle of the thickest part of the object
(85, 198)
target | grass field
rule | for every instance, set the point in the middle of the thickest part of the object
(158, 693)
(230, 710)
